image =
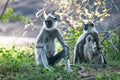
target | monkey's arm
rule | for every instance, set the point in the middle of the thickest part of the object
(40, 40)
(98, 45)
(61, 40)
(97, 40)
(40, 45)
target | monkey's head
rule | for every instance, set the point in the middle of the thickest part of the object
(89, 38)
(89, 26)
(50, 22)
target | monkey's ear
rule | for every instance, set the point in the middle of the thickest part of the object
(45, 15)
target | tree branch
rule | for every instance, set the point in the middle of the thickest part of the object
(38, 14)
(4, 9)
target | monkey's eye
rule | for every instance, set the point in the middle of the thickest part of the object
(85, 27)
(48, 21)
(91, 24)
(55, 19)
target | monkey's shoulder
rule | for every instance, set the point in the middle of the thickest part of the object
(49, 34)
(54, 31)
(82, 37)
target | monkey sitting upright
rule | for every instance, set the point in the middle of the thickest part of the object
(45, 48)
(90, 54)
(89, 29)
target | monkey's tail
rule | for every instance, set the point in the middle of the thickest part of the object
(81, 68)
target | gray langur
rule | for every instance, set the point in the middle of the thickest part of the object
(89, 29)
(89, 52)
(45, 48)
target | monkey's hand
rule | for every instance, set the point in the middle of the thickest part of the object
(67, 49)
(45, 46)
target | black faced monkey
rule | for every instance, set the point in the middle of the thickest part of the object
(79, 50)
(45, 48)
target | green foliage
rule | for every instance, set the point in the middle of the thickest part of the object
(16, 63)
(12, 58)
(110, 52)
(10, 15)
(110, 76)
(72, 34)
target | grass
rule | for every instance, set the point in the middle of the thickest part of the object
(17, 64)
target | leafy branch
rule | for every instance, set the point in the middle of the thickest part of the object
(108, 35)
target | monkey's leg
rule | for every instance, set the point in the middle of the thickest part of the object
(78, 54)
(102, 59)
(44, 58)
(81, 53)
(38, 56)
(58, 57)
(66, 59)
(67, 62)
(104, 62)
(76, 57)
(93, 63)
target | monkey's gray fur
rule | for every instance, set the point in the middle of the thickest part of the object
(79, 52)
(45, 48)
(90, 53)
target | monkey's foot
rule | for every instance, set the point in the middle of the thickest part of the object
(49, 69)
(106, 66)
(69, 70)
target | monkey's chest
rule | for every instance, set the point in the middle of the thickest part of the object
(50, 48)
(88, 52)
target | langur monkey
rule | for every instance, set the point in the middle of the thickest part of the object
(79, 50)
(45, 48)
(89, 52)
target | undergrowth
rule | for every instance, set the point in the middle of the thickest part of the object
(17, 63)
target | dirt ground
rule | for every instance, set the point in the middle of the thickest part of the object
(90, 73)
(18, 41)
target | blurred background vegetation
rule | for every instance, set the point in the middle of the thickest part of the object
(19, 26)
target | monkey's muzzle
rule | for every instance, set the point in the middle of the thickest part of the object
(48, 23)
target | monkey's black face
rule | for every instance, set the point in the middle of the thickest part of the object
(86, 26)
(50, 23)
